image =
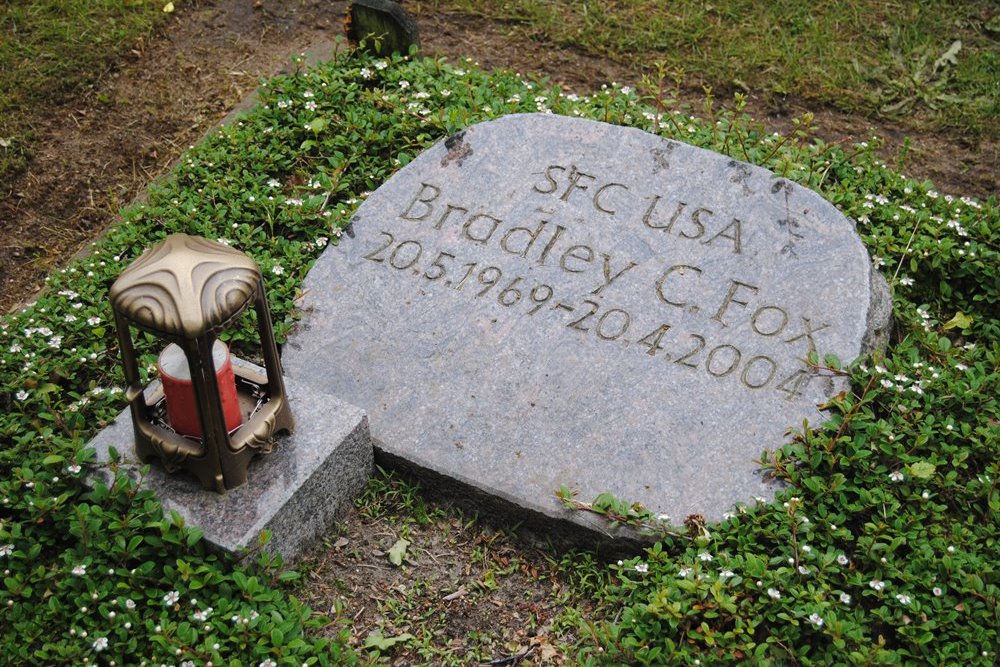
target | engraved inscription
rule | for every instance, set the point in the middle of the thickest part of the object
(680, 291)
(610, 323)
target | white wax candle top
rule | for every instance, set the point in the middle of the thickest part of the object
(174, 364)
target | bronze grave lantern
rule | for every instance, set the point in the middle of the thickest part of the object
(186, 290)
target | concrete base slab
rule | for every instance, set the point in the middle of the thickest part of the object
(297, 492)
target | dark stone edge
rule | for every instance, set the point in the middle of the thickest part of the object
(574, 530)
(879, 320)
(393, 9)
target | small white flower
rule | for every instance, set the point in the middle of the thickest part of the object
(803, 570)
(906, 280)
(806, 548)
(366, 73)
(845, 598)
(100, 644)
(79, 571)
(268, 663)
(6, 549)
(21, 395)
(404, 84)
(725, 574)
(273, 182)
(816, 620)
(903, 598)
(277, 269)
(876, 584)
(774, 593)
(684, 572)
(171, 598)
(642, 568)
(937, 591)
(705, 556)
(896, 476)
(93, 321)
(843, 560)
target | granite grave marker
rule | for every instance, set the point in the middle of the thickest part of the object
(541, 301)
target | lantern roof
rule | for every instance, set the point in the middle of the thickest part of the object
(185, 286)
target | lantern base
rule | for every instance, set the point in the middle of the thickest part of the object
(263, 416)
(297, 492)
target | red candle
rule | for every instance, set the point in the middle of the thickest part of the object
(182, 407)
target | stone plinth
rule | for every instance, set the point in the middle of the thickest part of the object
(542, 301)
(296, 492)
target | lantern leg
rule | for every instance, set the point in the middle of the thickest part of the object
(272, 362)
(133, 387)
(211, 469)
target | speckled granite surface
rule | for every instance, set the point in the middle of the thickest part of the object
(542, 301)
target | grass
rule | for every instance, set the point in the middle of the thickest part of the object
(51, 49)
(882, 550)
(925, 64)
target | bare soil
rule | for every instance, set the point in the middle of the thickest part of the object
(480, 594)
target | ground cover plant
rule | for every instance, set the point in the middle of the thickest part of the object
(882, 550)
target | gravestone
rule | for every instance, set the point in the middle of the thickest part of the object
(541, 301)
(389, 28)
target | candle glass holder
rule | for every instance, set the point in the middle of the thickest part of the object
(186, 290)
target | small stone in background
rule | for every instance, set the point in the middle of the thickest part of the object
(384, 25)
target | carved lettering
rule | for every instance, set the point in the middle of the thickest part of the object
(734, 236)
(749, 372)
(574, 182)
(529, 238)
(571, 253)
(483, 236)
(553, 183)
(608, 278)
(699, 225)
(768, 328)
(680, 269)
(600, 192)
(548, 246)
(449, 208)
(511, 285)
(425, 196)
(646, 219)
(807, 333)
(730, 298)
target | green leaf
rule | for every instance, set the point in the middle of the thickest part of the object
(317, 124)
(52, 459)
(398, 551)
(960, 321)
(194, 534)
(921, 470)
(375, 639)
